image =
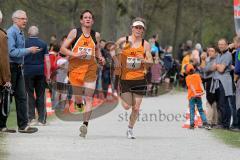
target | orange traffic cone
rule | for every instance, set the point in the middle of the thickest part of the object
(187, 122)
(49, 109)
(197, 119)
(110, 93)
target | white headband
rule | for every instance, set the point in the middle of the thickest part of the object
(138, 23)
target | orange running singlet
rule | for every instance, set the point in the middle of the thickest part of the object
(132, 68)
(83, 69)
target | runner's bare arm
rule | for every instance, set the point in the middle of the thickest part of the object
(66, 44)
(148, 61)
(116, 49)
(98, 50)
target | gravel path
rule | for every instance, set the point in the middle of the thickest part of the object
(156, 138)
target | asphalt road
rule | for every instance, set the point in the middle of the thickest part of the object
(158, 137)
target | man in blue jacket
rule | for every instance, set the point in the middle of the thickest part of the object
(34, 77)
(17, 51)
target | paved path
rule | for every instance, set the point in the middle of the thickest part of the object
(106, 139)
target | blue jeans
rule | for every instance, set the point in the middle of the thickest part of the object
(192, 103)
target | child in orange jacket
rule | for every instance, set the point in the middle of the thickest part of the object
(195, 92)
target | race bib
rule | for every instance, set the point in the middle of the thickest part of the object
(88, 50)
(133, 63)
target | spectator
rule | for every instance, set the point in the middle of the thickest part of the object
(51, 70)
(185, 61)
(53, 55)
(17, 51)
(237, 79)
(232, 49)
(34, 78)
(53, 40)
(107, 68)
(62, 78)
(189, 45)
(195, 92)
(156, 71)
(222, 83)
(198, 47)
(99, 87)
(62, 40)
(195, 58)
(154, 48)
(102, 43)
(212, 114)
(5, 77)
(180, 52)
(168, 63)
(203, 58)
(155, 40)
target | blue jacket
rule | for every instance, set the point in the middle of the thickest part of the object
(16, 45)
(34, 63)
(237, 62)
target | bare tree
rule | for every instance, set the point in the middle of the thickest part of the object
(177, 26)
(109, 19)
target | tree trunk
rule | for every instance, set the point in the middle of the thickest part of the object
(201, 16)
(137, 8)
(109, 18)
(134, 8)
(177, 27)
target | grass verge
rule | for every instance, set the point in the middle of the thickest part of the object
(228, 137)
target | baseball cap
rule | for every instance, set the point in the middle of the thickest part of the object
(189, 67)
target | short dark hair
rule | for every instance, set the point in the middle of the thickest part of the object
(103, 40)
(212, 46)
(237, 39)
(55, 47)
(192, 71)
(86, 11)
(63, 37)
(223, 39)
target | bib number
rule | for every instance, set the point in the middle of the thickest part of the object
(133, 63)
(87, 50)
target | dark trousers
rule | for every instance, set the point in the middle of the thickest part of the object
(36, 83)
(223, 106)
(3, 116)
(238, 118)
(232, 101)
(18, 87)
(116, 82)
(154, 88)
(106, 80)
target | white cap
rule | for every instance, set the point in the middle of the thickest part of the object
(138, 23)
